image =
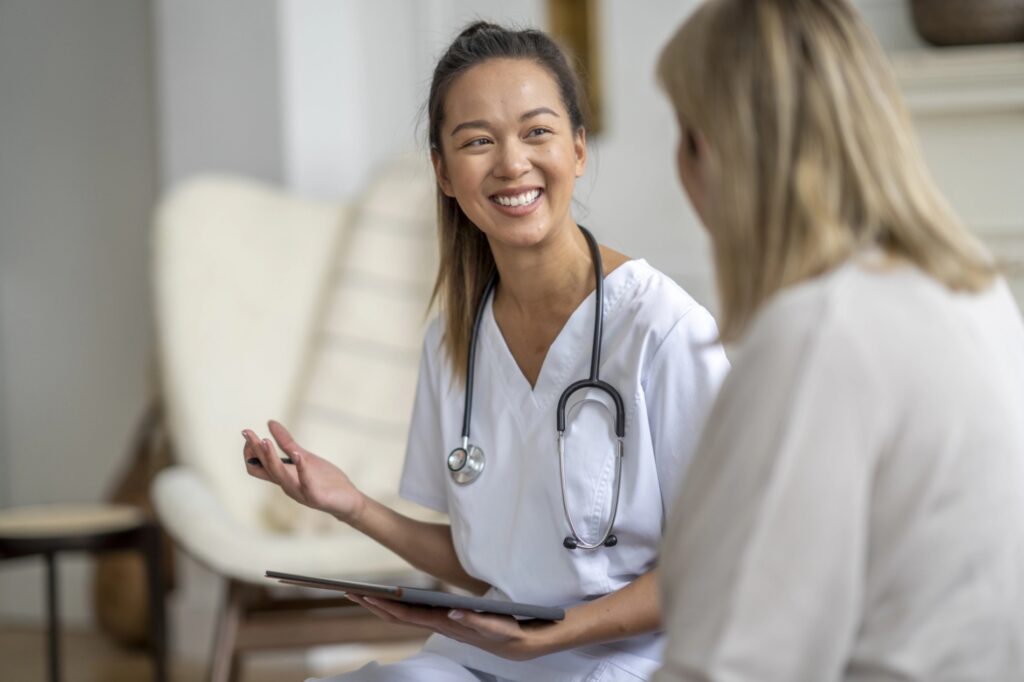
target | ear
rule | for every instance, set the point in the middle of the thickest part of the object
(692, 150)
(700, 150)
(580, 145)
(440, 173)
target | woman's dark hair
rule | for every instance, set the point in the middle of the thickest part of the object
(466, 261)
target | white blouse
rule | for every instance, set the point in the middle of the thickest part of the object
(659, 352)
(855, 510)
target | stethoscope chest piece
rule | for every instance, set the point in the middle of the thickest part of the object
(466, 463)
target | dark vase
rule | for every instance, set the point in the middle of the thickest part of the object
(969, 22)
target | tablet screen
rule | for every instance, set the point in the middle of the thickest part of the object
(421, 597)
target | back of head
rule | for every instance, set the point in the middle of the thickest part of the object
(813, 156)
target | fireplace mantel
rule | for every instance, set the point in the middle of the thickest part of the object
(962, 80)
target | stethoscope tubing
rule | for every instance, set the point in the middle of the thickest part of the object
(467, 463)
(620, 408)
(471, 358)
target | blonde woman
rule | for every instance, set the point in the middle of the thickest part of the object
(854, 508)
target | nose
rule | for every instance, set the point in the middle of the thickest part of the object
(513, 161)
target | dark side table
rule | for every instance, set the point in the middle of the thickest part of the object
(48, 530)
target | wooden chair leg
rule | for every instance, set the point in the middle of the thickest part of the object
(152, 549)
(224, 661)
(53, 617)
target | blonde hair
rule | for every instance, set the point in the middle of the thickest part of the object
(812, 153)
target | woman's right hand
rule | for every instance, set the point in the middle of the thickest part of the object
(309, 480)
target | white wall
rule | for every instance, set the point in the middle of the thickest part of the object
(77, 181)
(892, 23)
(5, 467)
(354, 77)
(631, 195)
(345, 107)
(219, 91)
(5, 453)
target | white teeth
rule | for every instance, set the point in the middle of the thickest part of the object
(523, 199)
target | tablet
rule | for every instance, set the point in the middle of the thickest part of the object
(414, 595)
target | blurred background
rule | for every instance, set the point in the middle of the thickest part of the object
(106, 106)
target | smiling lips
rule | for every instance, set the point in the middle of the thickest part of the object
(517, 203)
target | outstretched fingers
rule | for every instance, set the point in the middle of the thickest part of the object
(253, 455)
(285, 440)
(282, 474)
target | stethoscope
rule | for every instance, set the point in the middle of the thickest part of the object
(466, 463)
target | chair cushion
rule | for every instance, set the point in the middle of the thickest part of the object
(239, 270)
(271, 306)
(355, 395)
(194, 514)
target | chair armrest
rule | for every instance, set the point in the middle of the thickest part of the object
(190, 511)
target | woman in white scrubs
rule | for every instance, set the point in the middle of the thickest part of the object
(855, 510)
(508, 142)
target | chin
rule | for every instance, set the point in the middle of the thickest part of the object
(526, 235)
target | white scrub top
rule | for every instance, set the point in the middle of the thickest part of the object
(855, 511)
(659, 351)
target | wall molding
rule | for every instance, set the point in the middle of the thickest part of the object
(962, 80)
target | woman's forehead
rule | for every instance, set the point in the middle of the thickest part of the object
(499, 89)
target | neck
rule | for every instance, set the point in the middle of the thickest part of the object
(545, 279)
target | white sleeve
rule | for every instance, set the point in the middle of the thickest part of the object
(423, 476)
(762, 567)
(680, 385)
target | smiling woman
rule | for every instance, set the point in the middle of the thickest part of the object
(508, 141)
(483, 161)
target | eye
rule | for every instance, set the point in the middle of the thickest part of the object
(537, 132)
(476, 142)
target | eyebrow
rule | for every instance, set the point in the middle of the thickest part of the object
(480, 123)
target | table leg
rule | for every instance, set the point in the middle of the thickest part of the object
(157, 614)
(54, 619)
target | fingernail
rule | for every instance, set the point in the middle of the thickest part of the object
(455, 615)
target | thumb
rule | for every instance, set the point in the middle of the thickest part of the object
(285, 441)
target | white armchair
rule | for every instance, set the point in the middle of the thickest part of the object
(269, 306)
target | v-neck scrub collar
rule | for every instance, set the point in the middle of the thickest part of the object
(575, 339)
